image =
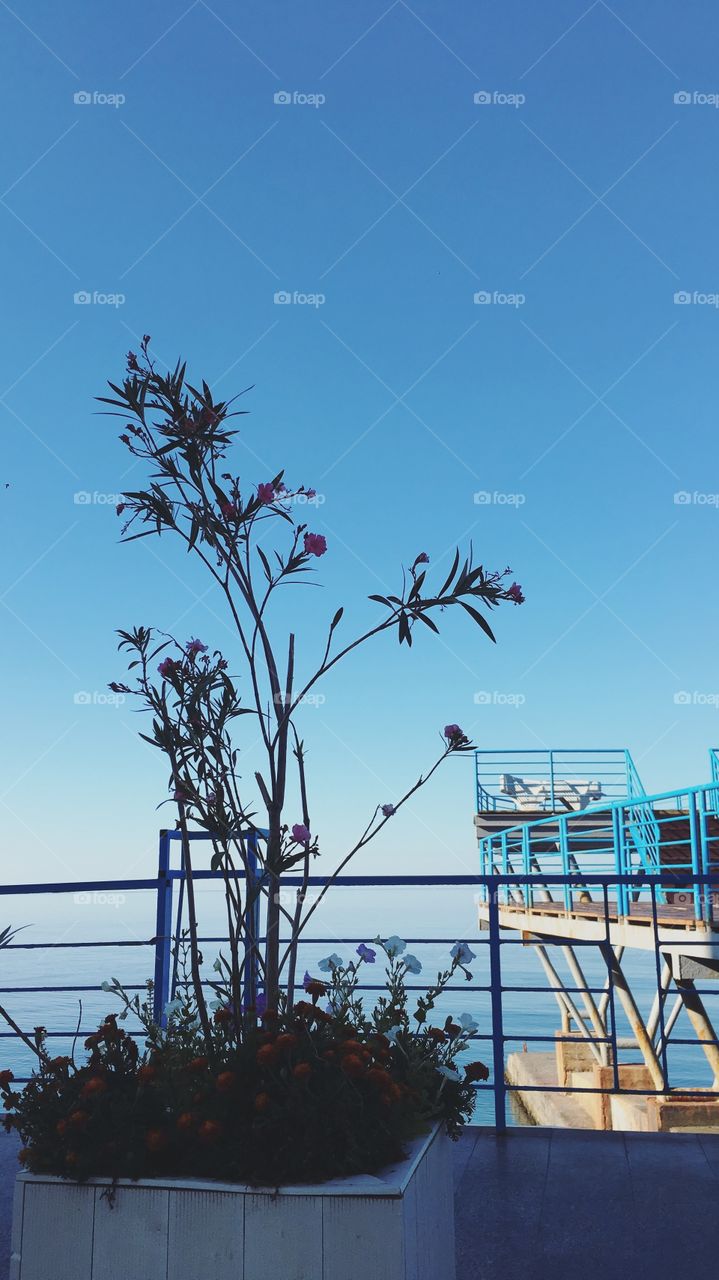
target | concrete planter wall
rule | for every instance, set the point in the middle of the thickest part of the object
(396, 1226)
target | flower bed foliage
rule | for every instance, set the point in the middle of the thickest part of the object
(302, 1095)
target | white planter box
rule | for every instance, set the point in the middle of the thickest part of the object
(396, 1226)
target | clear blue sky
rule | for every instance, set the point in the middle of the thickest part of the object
(400, 398)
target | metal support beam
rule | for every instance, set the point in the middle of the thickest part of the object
(701, 1023)
(658, 1002)
(565, 1001)
(588, 1000)
(636, 1022)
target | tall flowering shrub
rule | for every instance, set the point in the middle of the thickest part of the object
(251, 543)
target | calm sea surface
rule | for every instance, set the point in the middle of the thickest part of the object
(348, 913)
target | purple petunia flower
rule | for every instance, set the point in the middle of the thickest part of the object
(300, 833)
(366, 953)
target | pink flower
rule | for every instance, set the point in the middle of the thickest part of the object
(132, 360)
(179, 794)
(228, 510)
(515, 593)
(452, 732)
(388, 810)
(121, 506)
(311, 493)
(167, 667)
(265, 493)
(315, 544)
(422, 558)
(194, 647)
(300, 833)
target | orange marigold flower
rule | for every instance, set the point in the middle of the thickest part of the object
(303, 1009)
(316, 988)
(185, 1121)
(155, 1139)
(146, 1074)
(329, 1055)
(61, 1127)
(78, 1119)
(302, 1071)
(352, 1065)
(262, 1101)
(209, 1131)
(226, 1082)
(23, 1155)
(475, 1071)
(286, 1041)
(6, 1077)
(267, 1055)
(378, 1077)
(436, 1033)
(59, 1064)
(222, 1015)
(94, 1086)
(197, 1064)
(322, 1016)
(351, 1046)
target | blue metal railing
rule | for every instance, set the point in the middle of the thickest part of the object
(675, 833)
(491, 889)
(539, 779)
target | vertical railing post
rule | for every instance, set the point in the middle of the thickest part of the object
(620, 858)
(495, 984)
(252, 924)
(163, 930)
(564, 853)
(551, 780)
(699, 854)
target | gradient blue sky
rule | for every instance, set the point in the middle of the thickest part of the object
(399, 398)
